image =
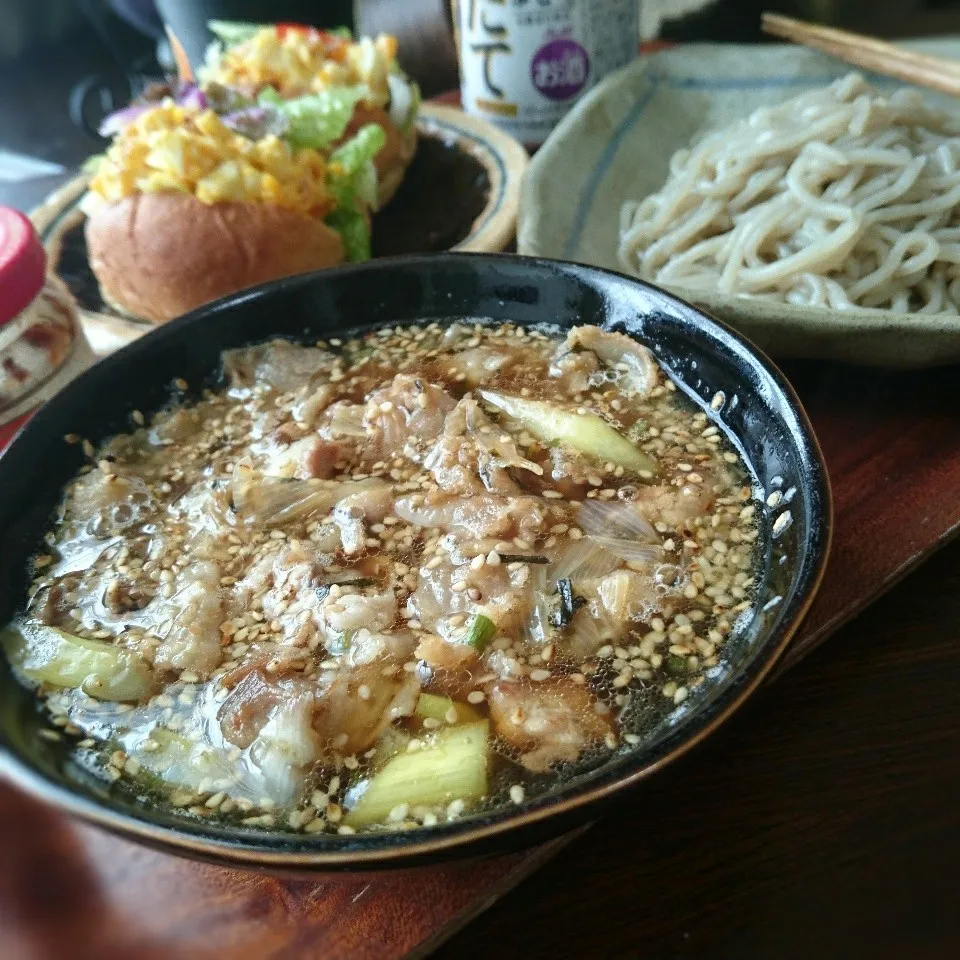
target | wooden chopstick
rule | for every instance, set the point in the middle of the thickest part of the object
(879, 56)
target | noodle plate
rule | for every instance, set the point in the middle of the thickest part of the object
(839, 198)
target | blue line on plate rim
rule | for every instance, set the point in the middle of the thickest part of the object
(603, 164)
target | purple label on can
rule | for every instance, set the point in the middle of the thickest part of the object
(560, 69)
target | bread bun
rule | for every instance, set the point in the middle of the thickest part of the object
(394, 157)
(158, 255)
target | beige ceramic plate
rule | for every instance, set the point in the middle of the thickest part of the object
(460, 193)
(616, 144)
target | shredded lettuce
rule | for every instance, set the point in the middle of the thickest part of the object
(416, 99)
(353, 183)
(318, 119)
(270, 98)
(405, 100)
(231, 32)
(361, 148)
(365, 185)
(354, 232)
(92, 164)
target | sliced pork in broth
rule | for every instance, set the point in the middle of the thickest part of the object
(384, 583)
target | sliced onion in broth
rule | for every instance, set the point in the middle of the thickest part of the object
(619, 521)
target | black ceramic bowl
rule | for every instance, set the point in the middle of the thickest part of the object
(740, 390)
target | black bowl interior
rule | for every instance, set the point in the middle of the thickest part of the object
(715, 367)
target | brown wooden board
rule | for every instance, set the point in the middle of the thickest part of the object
(892, 444)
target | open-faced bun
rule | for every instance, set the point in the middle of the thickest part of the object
(158, 255)
(395, 155)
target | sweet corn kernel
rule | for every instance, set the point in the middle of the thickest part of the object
(170, 149)
(209, 123)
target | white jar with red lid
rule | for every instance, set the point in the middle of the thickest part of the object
(42, 344)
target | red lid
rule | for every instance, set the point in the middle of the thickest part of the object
(23, 263)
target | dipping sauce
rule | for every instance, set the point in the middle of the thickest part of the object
(386, 582)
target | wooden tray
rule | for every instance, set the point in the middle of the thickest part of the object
(893, 450)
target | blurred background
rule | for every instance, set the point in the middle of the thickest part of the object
(64, 64)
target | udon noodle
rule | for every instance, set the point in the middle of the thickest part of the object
(838, 198)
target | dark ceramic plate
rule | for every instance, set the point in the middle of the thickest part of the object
(758, 412)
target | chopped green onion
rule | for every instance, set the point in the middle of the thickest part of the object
(339, 644)
(569, 604)
(524, 558)
(481, 632)
(676, 665)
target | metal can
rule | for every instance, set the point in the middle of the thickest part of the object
(42, 344)
(525, 63)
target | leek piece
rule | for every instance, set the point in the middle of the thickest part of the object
(102, 670)
(585, 432)
(482, 631)
(432, 707)
(452, 766)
